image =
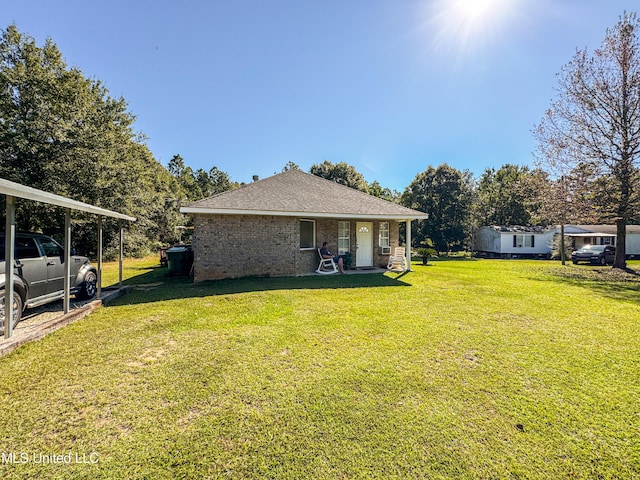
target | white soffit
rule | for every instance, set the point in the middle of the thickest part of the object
(593, 234)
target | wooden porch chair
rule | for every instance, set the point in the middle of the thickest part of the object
(326, 266)
(398, 261)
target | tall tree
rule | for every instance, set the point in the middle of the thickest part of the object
(502, 196)
(194, 184)
(341, 173)
(219, 182)
(569, 198)
(594, 124)
(200, 183)
(290, 166)
(62, 133)
(572, 197)
(445, 194)
(385, 193)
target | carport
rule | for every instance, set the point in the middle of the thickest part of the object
(12, 191)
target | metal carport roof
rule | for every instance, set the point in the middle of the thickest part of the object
(14, 190)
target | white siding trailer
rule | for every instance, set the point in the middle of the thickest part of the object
(513, 242)
(537, 242)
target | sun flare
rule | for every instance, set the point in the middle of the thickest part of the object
(475, 9)
(462, 25)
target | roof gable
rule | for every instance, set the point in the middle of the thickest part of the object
(296, 193)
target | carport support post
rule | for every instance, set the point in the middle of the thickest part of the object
(99, 256)
(121, 254)
(67, 258)
(408, 250)
(9, 241)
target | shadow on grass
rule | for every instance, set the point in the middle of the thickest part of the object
(156, 285)
(444, 258)
(612, 283)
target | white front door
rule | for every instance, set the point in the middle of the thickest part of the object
(364, 244)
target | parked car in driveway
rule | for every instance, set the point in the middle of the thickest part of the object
(596, 254)
(39, 274)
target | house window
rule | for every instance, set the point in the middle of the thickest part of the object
(307, 234)
(524, 241)
(344, 239)
(608, 241)
(383, 238)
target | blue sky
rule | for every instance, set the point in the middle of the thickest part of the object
(388, 86)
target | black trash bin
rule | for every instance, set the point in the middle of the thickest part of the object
(180, 259)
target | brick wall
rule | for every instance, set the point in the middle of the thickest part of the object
(228, 246)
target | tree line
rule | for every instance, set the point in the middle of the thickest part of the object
(63, 133)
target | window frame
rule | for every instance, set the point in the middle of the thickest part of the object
(342, 237)
(521, 240)
(313, 233)
(384, 241)
(24, 246)
(20, 247)
(50, 247)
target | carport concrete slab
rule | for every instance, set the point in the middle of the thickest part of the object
(47, 319)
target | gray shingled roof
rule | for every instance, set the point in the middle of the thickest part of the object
(519, 229)
(301, 194)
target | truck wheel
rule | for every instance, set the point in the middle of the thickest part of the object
(17, 310)
(89, 287)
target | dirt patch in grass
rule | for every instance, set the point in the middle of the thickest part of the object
(599, 274)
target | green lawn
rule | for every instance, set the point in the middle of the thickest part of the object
(461, 369)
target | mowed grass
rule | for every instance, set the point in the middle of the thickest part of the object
(462, 369)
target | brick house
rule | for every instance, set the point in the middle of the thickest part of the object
(273, 227)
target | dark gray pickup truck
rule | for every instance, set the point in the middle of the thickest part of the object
(39, 274)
